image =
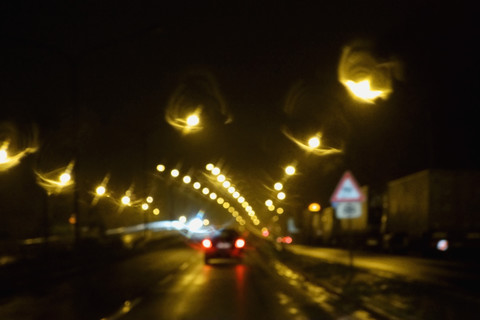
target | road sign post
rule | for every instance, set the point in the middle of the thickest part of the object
(347, 200)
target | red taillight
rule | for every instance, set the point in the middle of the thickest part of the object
(239, 243)
(207, 243)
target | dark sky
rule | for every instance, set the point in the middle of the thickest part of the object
(117, 65)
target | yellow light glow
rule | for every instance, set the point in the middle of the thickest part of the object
(314, 207)
(268, 203)
(231, 190)
(160, 168)
(314, 142)
(280, 210)
(182, 219)
(100, 190)
(231, 209)
(221, 178)
(241, 199)
(290, 170)
(220, 200)
(278, 186)
(64, 178)
(245, 204)
(213, 196)
(206, 222)
(271, 208)
(226, 205)
(236, 194)
(215, 171)
(156, 211)
(3, 156)
(226, 184)
(193, 120)
(205, 191)
(363, 90)
(145, 206)
(126, 200)
(209, 167)
(281, 196)
(187, 179)
(197, 185)
(149, 199)
(175, 173)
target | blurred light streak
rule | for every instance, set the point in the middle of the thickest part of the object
(321, 151)
(50, 181)
(364, 76)
(14, 146)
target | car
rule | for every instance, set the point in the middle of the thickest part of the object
(224, 244)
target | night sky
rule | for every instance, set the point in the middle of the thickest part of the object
(259, 71)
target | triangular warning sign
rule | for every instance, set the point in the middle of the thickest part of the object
(347, 190)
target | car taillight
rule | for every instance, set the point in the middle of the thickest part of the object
(239, 243)
(207, 243)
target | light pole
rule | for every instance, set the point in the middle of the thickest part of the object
(313, 208)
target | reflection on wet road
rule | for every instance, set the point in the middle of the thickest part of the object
(174, 283)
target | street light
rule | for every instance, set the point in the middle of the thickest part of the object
(314, 142)
(100, 190)
(290, 170)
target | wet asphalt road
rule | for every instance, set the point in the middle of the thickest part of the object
(168, 282)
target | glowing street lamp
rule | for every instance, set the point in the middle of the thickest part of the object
(126, 200)
(363, 91)
(314, 142)
(290, 170)
(100, 190)
(193, 120)
(314, 207)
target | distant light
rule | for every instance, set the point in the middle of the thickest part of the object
(290, 170)
(221, 178)
(126, 200)
(156, 211)
(241, 199)
(231, 190)
(236, 194)
(207, 243)
(363, 90)
(182, 219)
(281, 195)
(145, 206)
(175, 173)
(287, 239)
(205, 191)
(265, 232)
(213, 196)
(160, 168)
(314, 142)
(226, 184)
(100, 190)
(220, 200)
(209, 167)
(193, 120)
(278, 186)
(314, 207)
(280, 211)
(271, 208)
(206, 222)
(187, 179)
(268, 203)
(149, 199)
(197, 185)
(215, 171)
(3, 156)
(195, 224)
(65, 178)
(442, 245)
(226, 205)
